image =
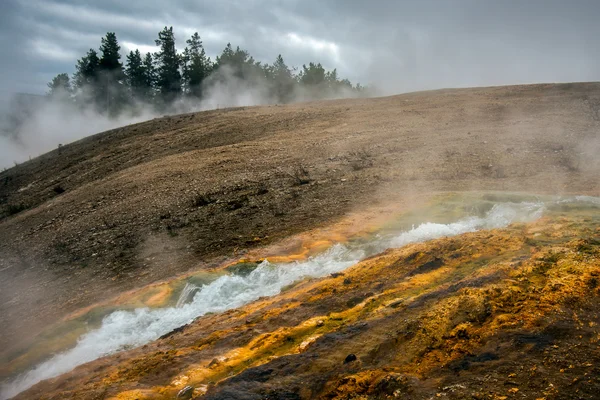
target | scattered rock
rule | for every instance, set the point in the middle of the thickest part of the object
(395, 385)
(350, 358)
(397, 303)
(186, 393)
(174, 331)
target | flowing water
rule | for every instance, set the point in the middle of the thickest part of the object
(187, 294)
(125, 329)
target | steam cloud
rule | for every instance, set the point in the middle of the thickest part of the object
(49, 122)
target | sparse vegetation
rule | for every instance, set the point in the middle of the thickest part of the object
(569, 162)
(360, 159)
(202, 200)
(12, 209)
(300, 175)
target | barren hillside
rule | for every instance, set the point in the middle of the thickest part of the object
(139, 204)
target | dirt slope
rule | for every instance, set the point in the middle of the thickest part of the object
(141, 203)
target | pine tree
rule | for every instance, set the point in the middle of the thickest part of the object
(149, 77)
(111, 94)
(102, 79)
(197, 66)
(283, 80)
(312, 75)
(167, 65)
(332, 78)
(111, 59)
(85, 79)
(240, 63)
(226, 57)
(134, 72)
(345, 83)
(86, 73)
(60, 87)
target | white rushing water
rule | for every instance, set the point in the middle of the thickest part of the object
(126, 329)
(188, 291)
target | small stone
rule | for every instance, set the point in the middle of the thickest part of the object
(347, 281)
(320, 323)
(186, 393)
(349, 358)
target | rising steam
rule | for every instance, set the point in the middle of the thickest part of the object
(46, 122)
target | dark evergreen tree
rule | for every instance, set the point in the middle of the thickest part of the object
(331, 77)
(135, 75)
(86, 73)
(111, 94)
(103, 81)
(196, 66)
(60, 87)
(168, 63)
(346, 84)
(312, 75)
(111, 58)
(149, 76)
(226, 57)
(85, 79)
(239, 62)
(283, 80)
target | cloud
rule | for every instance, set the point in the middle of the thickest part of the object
(48, 50)
(130, 46)
(316, 46)
(399, 45)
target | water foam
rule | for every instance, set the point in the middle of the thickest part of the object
(499, 216)
(127, 329)
(187, 293)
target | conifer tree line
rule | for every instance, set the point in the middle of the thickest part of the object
(104, 81)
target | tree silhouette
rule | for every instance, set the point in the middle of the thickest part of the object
(197, 66)
(167, 65)
(159, 79)
(60, 86)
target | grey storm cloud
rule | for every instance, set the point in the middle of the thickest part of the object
(395, 45)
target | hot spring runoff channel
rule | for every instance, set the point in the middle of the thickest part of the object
(122, 330)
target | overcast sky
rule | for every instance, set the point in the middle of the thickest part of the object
(398, 45)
